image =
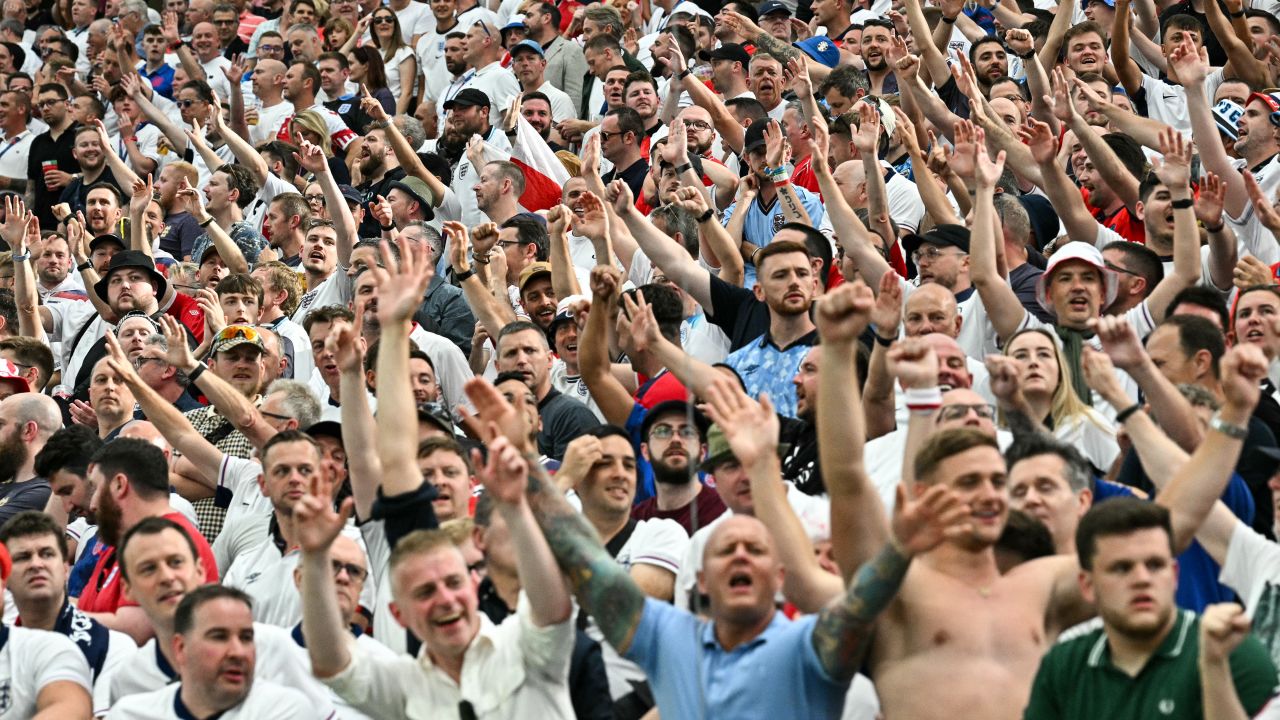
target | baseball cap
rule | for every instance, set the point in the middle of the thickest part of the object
(1085, 3)
(731, 51)
(564, 313)
(325, 428)
(516, 21)
(1271, 100)
(351, 195)
(754, 137)
(770, 7)
(233, 336)
(436, 414)
(822, 49)
(468, 97)
(718, 450)
(1076, 251)
(528, 44)
(667, 407)
(531, 271)
(420, 192)
(945, 235)
(9, 373)
(101, 240)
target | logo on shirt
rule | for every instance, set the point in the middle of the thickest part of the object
(1166, 706)
(6, 697)
(253, 577)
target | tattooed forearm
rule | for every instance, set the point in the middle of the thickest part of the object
(602, 586)
(843, 631)
(777, 48)
(792, 210)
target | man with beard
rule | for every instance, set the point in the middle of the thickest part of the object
(287, 217)
(328, 284)
(1129, 574)
(230, 190)
(990, 62)
(268, 86)
(441, 87)
(530, 66)
(111, 401)
(131, 483)
(499, 189)
(90, 154)
(41, 563)
(379, 168)
(729, 64)
(53, 271)
(602, 54)
(215, 655)
(535, 107)
(467, 115)
(301, 83)
(27, 420)
(672, 445)
(180, 228)
(52, 160)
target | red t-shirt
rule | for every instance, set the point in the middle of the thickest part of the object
(104, 593)
(1121, 221)
(185, 310)
(661, 388)
(803, 176)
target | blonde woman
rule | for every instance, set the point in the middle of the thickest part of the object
(1053, 402)
(310, 126)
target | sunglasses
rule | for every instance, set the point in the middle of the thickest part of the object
(188, 103)
(355, 572)
(480, 24)
(235, 332)
(385, 20)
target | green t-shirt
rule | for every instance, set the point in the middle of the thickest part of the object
(1076, 679)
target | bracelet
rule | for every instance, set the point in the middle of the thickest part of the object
(683, 74)
(131, 139)
(86, 265)
(680, 169)
(783, 181)
(476, 259)
(1215, 229)
(775, 173)
(706, 216)
(1236, 15)
(462, 276)
(197, 372)
(206, 221)
(22, 258)
(949, 20)
(1028, 56)
(923, 399)
(754, 253)
(1182, 204)
(1127, 413)
(387, 228)
(886, 342)
(1231, 430)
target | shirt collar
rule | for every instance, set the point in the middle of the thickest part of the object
(180, 709)
(710, 642)
(1171, 647)
(807, 340)
(163, 665)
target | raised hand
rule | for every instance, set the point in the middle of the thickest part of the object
(381, 210)
(315, 523)
(455, 234)
(676, 149)
(905, 131)
(907, 68)
(346, 344)
(14, 229)
(484, 238)
(1222, 628)
(594, 223)
(1213, 197)
(234, 71)
(642, 328)
(886, 314)
(1191, 65)
(867, 139)
(497, 416)
(964, 150)
(512, 118)
(821, 143)
(1243, 368)
(1174, 170)
(691, 200)
(560, 220)
(774, 145)
(921, 524)
(620, 197)
(1100, 375)
(401, 289)
(370, 106)
(311, 159)
(179, 353)
(913, 362)
(129, 81)
(169, 27)
(591, 156)
(1040, 141)
(214, 319)
(987, 172)
(119, 362)
(1119, 341)
(843, 313)
(141, 197)
(1250, 271)
(505, 474)
(605, 282)
(751, 428)
(798, 71)
(1268, 209)
(475, 152)
(194, 198)
(738, 23)
(1005, 383)
(1019, 41)
(76, 239)
(1060, 101)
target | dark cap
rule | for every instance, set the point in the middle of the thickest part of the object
(731, 51)
(468, 97)
(754, 137)
(770, 7)
(325, 428)
(420, 192)
(351, 195)
(101, 240)
(132, 259)
(436, 414)
(940, 235)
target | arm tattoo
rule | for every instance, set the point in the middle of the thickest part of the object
(777, 48)
(603, 588)
(1022, 424)
(793, 212)
(843, 632)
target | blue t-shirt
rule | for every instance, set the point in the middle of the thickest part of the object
(763, 222)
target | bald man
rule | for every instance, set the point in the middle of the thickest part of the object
(26, 422)
(273, 110)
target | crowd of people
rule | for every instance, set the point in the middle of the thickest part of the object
(822, 359)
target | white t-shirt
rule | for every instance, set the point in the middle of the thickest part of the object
(14, 153)
(32, 659)
(1168, 103)
(269, 121)
(265, 699)
(335, 290)
(304, 362)
(1254, 237)
(415, 19)
(1094, 437)
(465, 177)
(499, 84)
(395, 83)
(240, 476)
(215, 76)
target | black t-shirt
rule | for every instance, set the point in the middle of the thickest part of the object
(369, 228)
(563, 419)
(45, 149)
(348, 108)
(15, 497)
(632, 176)
(76, 194)
(800, 463)
(179, 235)
(736, 310)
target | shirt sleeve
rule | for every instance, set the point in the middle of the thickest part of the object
(1254, 674)
(659, 621)
(376, 686)
(56, 659)
(726, 303)
(660, 543)
(546, 650)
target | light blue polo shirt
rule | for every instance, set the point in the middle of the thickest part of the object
(765, 367)
(776, 675)
(763, 222)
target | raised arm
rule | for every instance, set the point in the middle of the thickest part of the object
(934, 61)
(776, 157)
(313, 161)
(1223, 249)
(878, 394)
(713, 236)
(406, 154)
(602, 586)
(125, 176)
(851, 235)
(858, 523)
(1104, 159)
(491, 313)
(1003, 307)
(1192, 69)
(1222, 628)
(1241, 63)
(241, 148)
(317, 525)
(13, 231)
(1079, 224)
(1126, 68)
(359, 431)
(732, 133)
(665, 252)
(228, 250)
(400, 291)
(1175, 172)
(593, 348)
(935, 200)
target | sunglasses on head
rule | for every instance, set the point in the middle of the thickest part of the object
(233, 332)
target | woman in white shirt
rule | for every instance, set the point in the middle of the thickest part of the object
(400, 60)
(1054, 402)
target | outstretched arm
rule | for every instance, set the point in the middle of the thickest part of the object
(1003, 307)
(359, 430)
(491, 313)
(665, 252)
(1175, 172)
(602, 586)
(1126, 68)
(593, 354)
(851, 235)
(406, 154)
(1079, 224)
(313, 161)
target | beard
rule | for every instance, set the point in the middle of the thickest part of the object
(13, 455)
(669, 473)
(110, 520)
(372, 165)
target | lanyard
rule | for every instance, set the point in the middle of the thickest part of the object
(9, 144)
(458, 84)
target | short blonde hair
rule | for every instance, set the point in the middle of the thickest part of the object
(458, 529)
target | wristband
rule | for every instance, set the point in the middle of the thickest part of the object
(476, 259)
(1028, 56)
(1215, 229)
(1127, 413)
(706, 216)
(206, 221)
(680, 169)
(949, 20)
(923, 399)
(462, 276)
(131, 139)
(21, 258)
(1236, 15)
(775, 173)
(387, 228)
(754, 253)
(1231, 430)
(886, 342)
(86, 265)
(783, 181)
(197, 372)
(1183, 204)
(683, 74)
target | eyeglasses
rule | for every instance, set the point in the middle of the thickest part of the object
(506, 243)
(270, 48)
(480, 24)
(604, 136)
(313, 199)
(928, 253)
(477, 566)
(1116, 268)
(235, 332)
(391, 20)
(138, 362)
(42, 104)
(226, 22)
(697, 125)
(355, 572)
(984, 411)
(664, 432)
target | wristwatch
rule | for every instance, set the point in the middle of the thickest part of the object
(1231, 430)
